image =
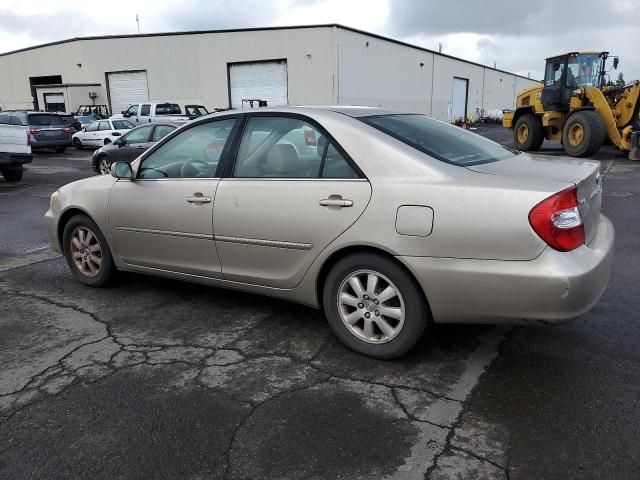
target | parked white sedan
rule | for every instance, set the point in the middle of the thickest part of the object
(101, 133)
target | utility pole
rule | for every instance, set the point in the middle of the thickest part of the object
(138, 22)
(439, 47)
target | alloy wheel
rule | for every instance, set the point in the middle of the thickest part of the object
(86, 252)
(104, 166)
(371, 306)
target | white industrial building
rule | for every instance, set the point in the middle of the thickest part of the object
(322, 64)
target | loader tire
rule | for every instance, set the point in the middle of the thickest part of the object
(583, 134)
(528, 133)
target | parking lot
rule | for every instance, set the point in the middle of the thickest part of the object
(154, 378)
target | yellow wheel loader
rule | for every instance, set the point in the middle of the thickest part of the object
(579, 107)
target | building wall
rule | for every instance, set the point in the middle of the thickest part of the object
(189, 68)
(389, 74)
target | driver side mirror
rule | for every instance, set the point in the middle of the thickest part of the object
(125, 114)
(122, 170)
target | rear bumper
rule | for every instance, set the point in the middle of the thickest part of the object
(14, 159)
(554, 287)
(35, 144)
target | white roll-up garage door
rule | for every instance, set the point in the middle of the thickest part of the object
(259, 81)
(126, 88)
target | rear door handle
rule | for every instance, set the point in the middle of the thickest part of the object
(336, 201)
(198, 198)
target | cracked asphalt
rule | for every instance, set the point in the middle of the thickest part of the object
(153, 378)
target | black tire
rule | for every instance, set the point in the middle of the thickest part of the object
(12, 174)
(60, 149)
(534, 137)
(416, 312)
(77, 143)
(107, 141)
(107, 268)
(592, 138)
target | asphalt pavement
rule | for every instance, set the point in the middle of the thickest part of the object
(153, 378)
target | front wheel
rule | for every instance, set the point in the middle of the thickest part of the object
(583, 134)
(374, 306)
(104, 165)
(87, 252)
(77, 143)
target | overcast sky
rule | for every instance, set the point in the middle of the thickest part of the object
(487, 31)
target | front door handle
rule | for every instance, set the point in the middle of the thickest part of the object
(198, 198)
(336, 201)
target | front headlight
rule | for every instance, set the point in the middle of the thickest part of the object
(54, 197)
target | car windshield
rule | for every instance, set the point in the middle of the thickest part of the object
(442, 141)
(122, 124)
(168, 109)
(44, 120)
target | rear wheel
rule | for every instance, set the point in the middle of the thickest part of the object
(77, 143)
(13, 174)
(87, 251)
(583, 134)
(528, 133)
(374, 306)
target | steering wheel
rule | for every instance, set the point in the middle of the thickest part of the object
(193, 167)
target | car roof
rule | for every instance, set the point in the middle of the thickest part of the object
(355, 111)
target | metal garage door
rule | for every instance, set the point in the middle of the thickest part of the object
(261, 81)
(126, 88)
(459, 99)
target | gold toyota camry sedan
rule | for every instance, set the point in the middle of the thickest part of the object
(385, 220)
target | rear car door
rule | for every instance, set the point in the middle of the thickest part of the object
(145, 113)
(163, 218)
(132, 145)
(291, 191)
(104, 130)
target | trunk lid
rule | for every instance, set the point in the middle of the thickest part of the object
(584, 174)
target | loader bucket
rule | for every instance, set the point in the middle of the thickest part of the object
(634, 153)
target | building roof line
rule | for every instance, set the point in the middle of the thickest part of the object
(257, 29)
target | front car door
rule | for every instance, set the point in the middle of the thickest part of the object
(132, 145)
(90, 134)
(163, 218)
(104, 130)
(291, 191)
(145, 113)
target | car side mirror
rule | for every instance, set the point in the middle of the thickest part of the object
(125, 114)
(84, 129)
(116, 134)
(122, 170)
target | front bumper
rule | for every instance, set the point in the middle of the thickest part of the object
(554, 287)
(51, 218)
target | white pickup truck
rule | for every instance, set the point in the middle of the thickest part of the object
(15, 147)
(149, 112)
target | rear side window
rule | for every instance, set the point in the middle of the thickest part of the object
(104, 126)
(145, 110)
(16, 121)
(168, 109)
(160, 132)
(122, 124)
(4, 120)
(444, 142)
(45, 120)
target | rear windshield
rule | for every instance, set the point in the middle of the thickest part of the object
(168, 109)
(44, 120)
(442, 141)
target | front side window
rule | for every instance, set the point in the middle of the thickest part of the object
(4, 120)
(161, 131)
(104, 126)
(133, 110)
(194, 153)
(285, 147)
(141, 135)
(93, 127)
(444, 142)
(553, 73)
(145, 110)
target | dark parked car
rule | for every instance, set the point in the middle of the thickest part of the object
(131, 145)
(46, 130)
(71, 121)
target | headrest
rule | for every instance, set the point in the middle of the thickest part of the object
(282, 158)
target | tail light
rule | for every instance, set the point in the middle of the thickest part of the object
(28, 139)
(557, 220)
(66, 129)
(34, 131)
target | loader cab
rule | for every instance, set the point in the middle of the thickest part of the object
(566, 73)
